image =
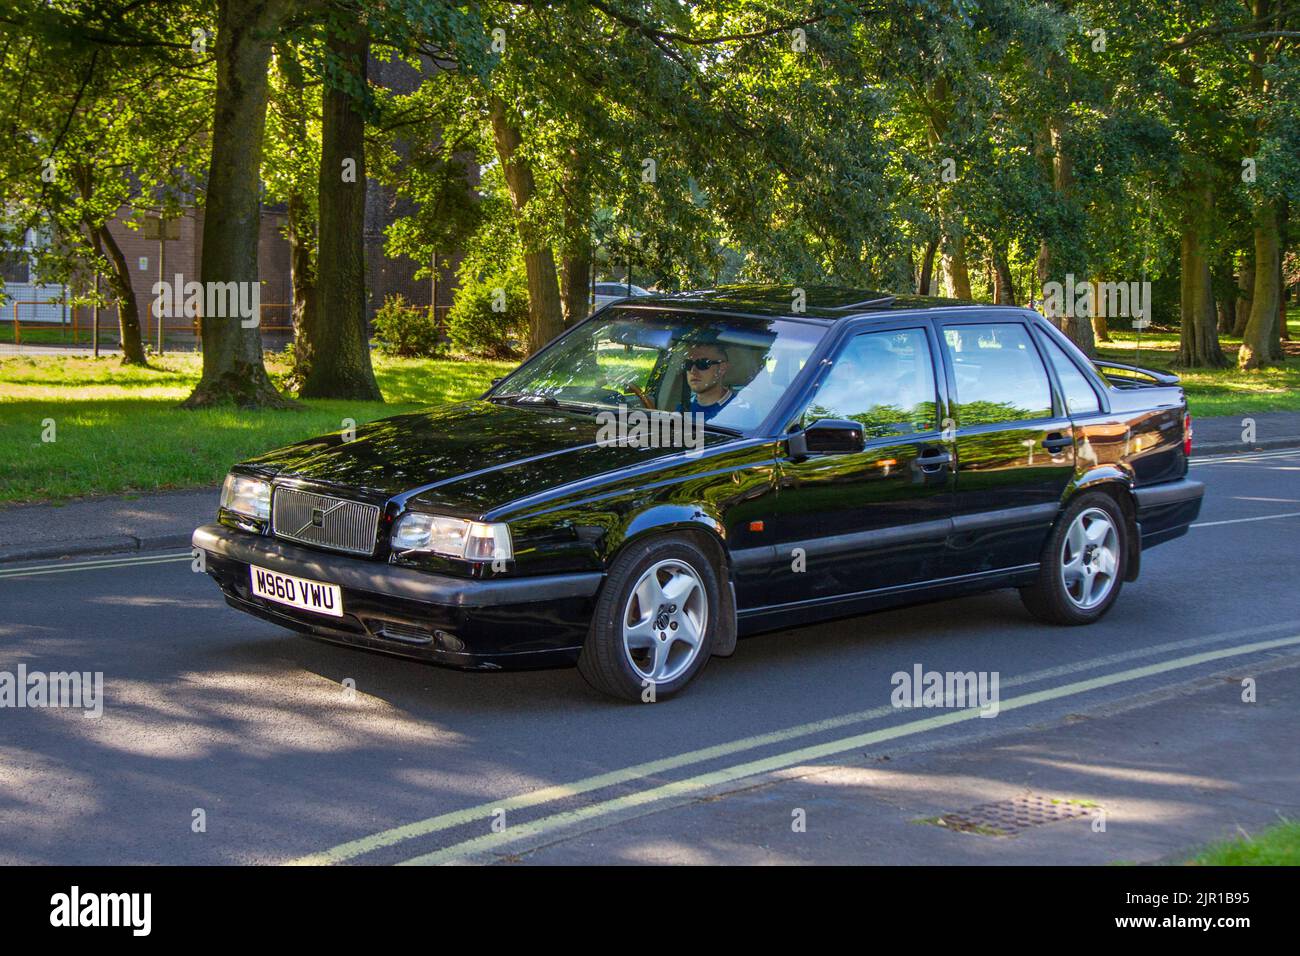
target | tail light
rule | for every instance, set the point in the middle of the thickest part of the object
(1187, 434)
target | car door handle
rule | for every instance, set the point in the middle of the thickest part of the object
(1057, 441)
(933, 460)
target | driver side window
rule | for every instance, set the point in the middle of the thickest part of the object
(883, 380)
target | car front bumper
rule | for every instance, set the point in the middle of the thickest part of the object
(491, 624)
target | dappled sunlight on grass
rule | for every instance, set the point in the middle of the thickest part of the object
(119, 429)
(177, 371)
(1216, 391)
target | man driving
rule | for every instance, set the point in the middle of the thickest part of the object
(706, 373)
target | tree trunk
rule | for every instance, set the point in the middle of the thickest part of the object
(1079, 330)
(952, 234)
(955, 274)
(301, 234)
(1077, 327)
(926, 279)
(1100, 325)
(1245, 283)
(1281, 332)
(338, 349)
(1199, 336)
(545, 315)
(1226, 304)
(300, 227)
(575, 261)
(232, 354)
(119, 278)
(1257, 339)
(128, 309)
(575, 280)
(1260, 340)
(1004, 286)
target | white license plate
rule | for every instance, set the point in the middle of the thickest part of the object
(302, 593)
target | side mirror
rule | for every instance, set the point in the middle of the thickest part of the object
(829, 436)
(498, 380)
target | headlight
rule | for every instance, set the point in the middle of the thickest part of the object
(250, 497)
(455, 537)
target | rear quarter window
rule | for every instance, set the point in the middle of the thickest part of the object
(1080, 397)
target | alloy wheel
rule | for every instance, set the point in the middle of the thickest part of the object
(664, 621)
(1090, 558)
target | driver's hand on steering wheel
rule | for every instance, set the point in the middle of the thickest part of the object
(640, 393)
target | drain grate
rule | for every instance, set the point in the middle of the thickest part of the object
(1008, 817)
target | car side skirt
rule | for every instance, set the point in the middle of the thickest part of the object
(773, 617)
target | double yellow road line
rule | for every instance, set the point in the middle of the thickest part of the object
(98, 564)
(683, 789)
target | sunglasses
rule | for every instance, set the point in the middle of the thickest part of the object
(702, 364)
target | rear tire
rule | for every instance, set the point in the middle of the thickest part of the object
(654, 622)
(1083, 563)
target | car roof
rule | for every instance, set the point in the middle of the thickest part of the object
(828, 303)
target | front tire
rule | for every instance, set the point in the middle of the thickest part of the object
(655, 621)
(1082, 567)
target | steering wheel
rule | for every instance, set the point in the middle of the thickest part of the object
(639, 392)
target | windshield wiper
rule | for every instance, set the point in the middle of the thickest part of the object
(726, 430)
(526, 398)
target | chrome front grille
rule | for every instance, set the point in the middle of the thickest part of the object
(324, 522)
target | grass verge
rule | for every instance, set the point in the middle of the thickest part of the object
(1277, 846)
(119, 429)
(1216, 391)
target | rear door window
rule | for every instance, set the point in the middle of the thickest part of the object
(998, 372)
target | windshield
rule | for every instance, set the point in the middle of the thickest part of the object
(730, 370)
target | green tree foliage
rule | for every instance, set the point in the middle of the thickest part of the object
(406, 330)
(102, 115)
(490, 317)
(983, 147)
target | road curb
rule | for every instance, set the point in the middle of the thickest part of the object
(114, 544)
(1219, 447)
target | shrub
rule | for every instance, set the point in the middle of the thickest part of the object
(406, 330)
(474, 326)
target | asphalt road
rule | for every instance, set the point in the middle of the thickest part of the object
(214, 718)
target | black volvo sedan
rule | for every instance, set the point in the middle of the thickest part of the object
(678, 471)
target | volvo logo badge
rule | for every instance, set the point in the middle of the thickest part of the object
(318, 516)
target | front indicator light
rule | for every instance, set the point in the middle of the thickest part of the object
(488, 542)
